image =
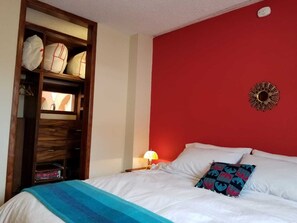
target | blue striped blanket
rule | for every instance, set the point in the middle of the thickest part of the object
(77, 201)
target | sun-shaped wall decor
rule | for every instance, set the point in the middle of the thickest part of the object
(264, 96)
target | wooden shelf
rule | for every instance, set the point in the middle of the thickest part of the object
(49, 180)
(137, 169)
(65, 77)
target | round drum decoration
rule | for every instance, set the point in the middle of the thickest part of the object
(264, 96)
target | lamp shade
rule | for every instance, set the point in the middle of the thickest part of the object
(151, 155)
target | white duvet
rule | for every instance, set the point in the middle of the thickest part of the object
(169, 195)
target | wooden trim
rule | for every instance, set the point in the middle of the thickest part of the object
(88, 100)
(15, 102)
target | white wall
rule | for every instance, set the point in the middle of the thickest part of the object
(110, 101)
(120, 134)
(9, 11)
(139, 100)
(54, 23)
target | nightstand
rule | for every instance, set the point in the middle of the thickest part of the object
(136, 169)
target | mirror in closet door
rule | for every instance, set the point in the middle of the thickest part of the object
(56, 101)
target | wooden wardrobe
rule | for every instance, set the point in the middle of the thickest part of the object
(50, 144)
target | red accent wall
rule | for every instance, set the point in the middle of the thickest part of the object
(202, 75)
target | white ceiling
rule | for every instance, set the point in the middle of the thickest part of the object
(150, 17)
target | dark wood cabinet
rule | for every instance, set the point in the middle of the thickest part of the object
(51, 144)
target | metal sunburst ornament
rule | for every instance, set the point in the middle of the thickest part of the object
(264, 96)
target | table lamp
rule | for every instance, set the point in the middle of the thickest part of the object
(150, 155)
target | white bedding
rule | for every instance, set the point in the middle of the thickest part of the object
(169, 195)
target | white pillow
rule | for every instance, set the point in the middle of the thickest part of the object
(32, 52)
(77, 65)
(209, 146)
(195, 162)
(55, 57)
(272, 176)
(274, 156)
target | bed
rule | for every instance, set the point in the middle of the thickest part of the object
(171, 190)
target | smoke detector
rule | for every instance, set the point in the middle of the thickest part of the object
(265, 11)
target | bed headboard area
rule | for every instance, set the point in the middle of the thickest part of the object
(203, 73)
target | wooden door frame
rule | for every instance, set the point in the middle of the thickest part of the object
(89, 84)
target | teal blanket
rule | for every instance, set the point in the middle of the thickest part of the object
(76, 201)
